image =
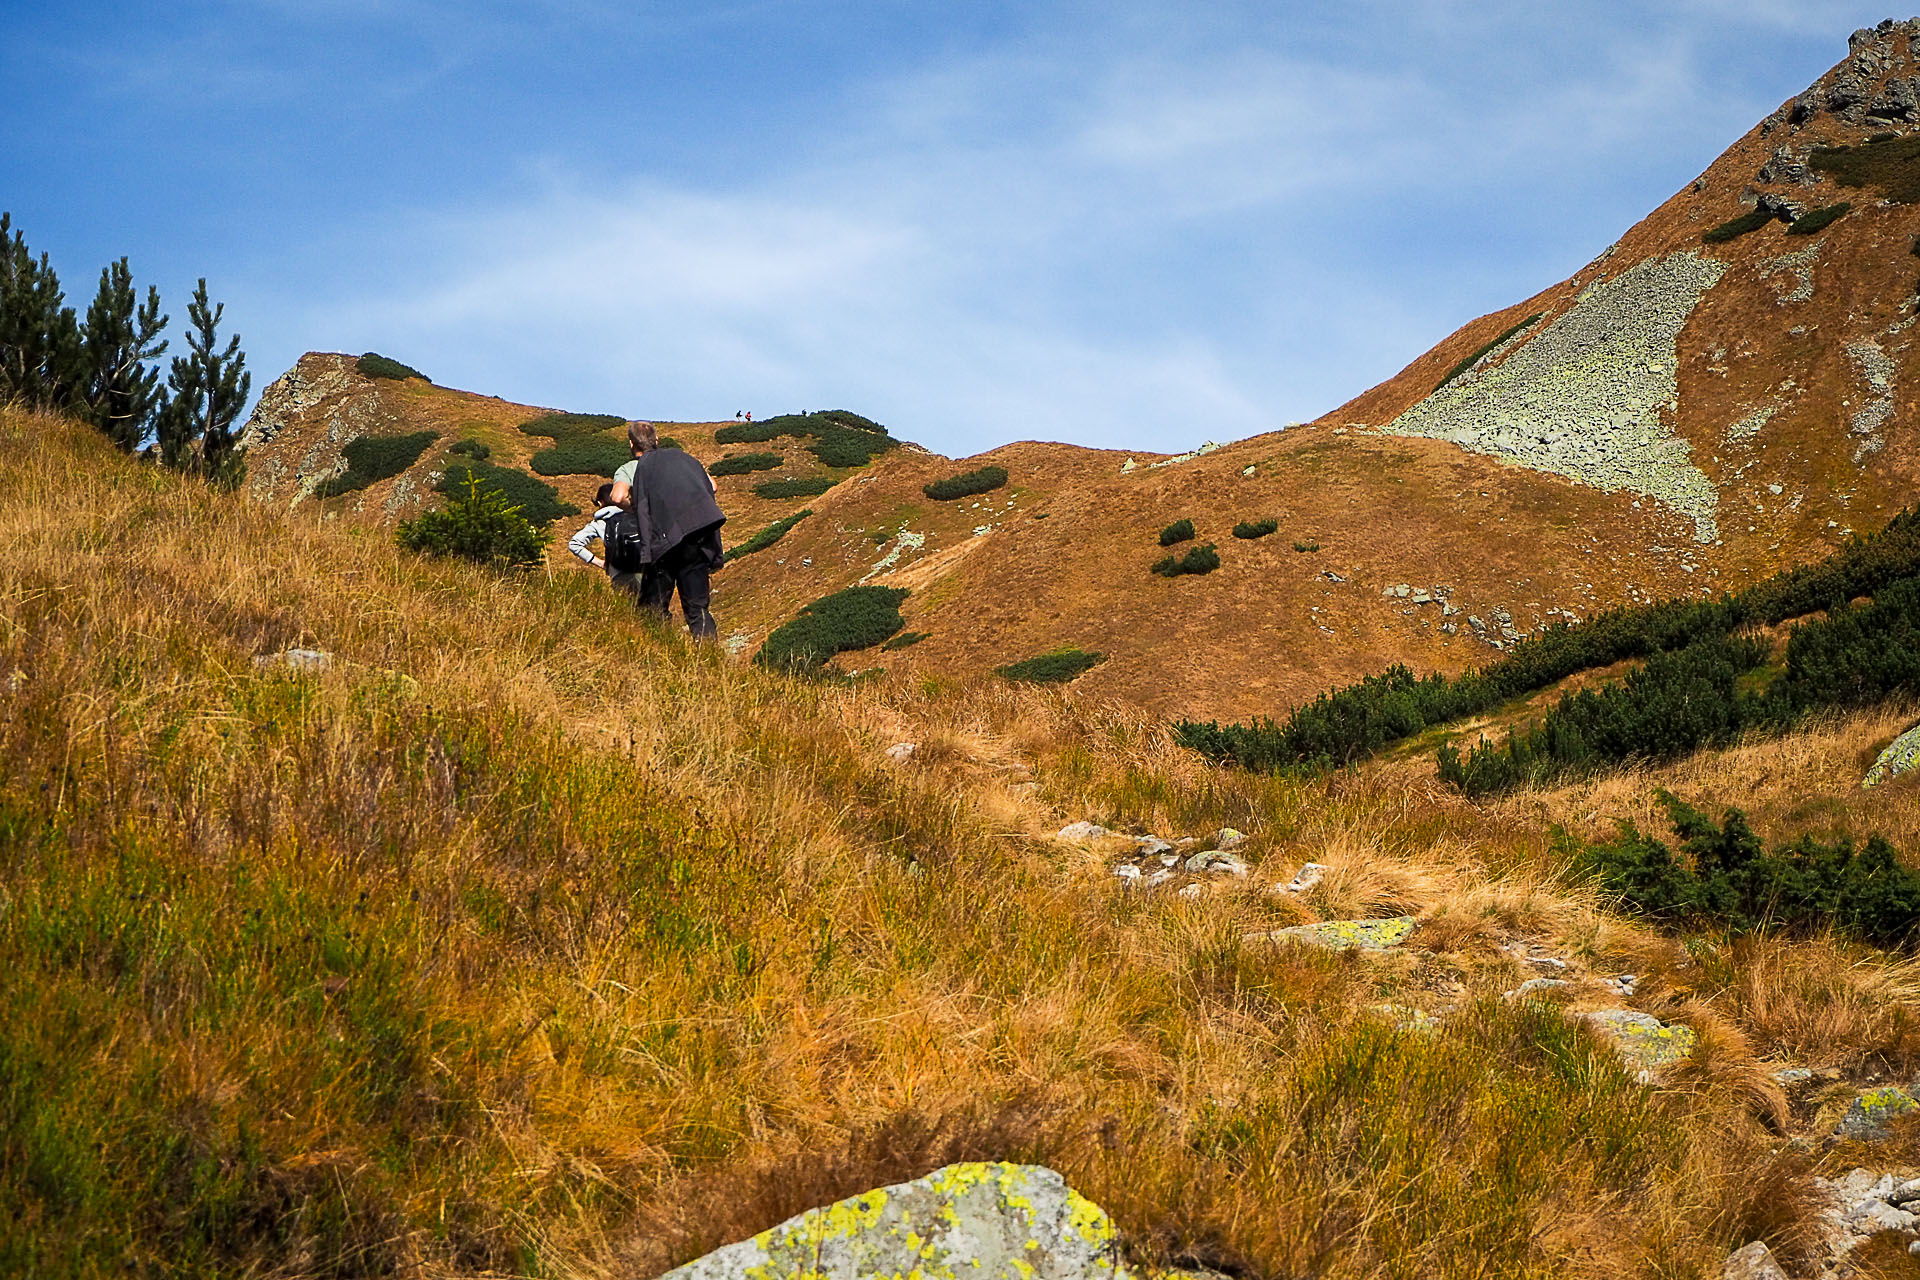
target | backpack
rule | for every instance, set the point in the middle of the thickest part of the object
(624, 543)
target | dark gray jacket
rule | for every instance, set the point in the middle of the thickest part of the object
(672, 499)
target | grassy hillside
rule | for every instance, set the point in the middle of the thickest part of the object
(525, 939)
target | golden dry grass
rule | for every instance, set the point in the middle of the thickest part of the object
(528, 938)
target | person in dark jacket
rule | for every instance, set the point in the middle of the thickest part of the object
(672, 496)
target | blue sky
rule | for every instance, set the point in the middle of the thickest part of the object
(1136, 225)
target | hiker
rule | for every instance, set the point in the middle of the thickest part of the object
(606, 512)
(672, 497)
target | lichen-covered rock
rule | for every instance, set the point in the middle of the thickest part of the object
(1754, 1262)
(1340, 935)
(1081, 831)
(1582, 396)
(1867, 1119)
(977, 1221)
(1901, 755)
(1643, 1041)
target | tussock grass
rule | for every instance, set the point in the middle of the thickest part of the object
(444, 960)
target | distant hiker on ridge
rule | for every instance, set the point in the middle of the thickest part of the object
(672, 497)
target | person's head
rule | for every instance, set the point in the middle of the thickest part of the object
(642, 438)
(603, 496)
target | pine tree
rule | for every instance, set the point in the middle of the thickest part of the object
(209, 388)
(123, 390)
(41, 361)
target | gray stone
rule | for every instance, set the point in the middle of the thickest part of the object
(1783, 166)
(1081, 831)
(1877, 1215)
(981, 1221)
(1127, 871)
(297, 659)
(1342, 935)
(1899, 100)
(1151, 846)
(1644, 1043)
(1905, 1193)
(1533, 985)
(1226, 838)
(1787, 1077)
(1754, 1262)
(1308, 876)
(1868, 1118)
(900, 752)
(1900, 756)
(1215, 860)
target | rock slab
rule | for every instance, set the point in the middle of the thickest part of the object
(1340, 935)
(980, 1221)
(1644, 1042)
(1901, 755)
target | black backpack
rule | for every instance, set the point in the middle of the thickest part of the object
(624, 544)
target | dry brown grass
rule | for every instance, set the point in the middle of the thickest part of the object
(527, 937)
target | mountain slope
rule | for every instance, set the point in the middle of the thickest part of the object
(1678, 417)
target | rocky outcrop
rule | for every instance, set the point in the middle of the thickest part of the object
(964, 1222)
(318, 388)
(1584, 396)
(1899, 757)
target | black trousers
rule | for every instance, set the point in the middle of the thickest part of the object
(686, 569)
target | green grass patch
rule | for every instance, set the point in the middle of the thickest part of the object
(1816, 220)
(373, 458)
(560, 426)
(582, 456)
(1250, 529)
(966, 484)
(741, 464)
(1481, 354)
(1890, 165)
(375, 365)
(1734, 228)
(794, 487)
(856, 618)
(1179, 531)
(1198, 560)
(1055, 667)
(769, 535)
(537, 500)
(905, 640)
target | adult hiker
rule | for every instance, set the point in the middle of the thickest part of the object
(672, 497)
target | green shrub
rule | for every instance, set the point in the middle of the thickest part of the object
(1201, 559)
(1056, 667)
(1734, 228)
(966, 484)
(1179, 531)
(840, 437)
(769, 535)
(582, 456)
(1348, 724)
(802, 487)
(478, 525)
(1255, 528)
(374, 365)
(1728, 881)
(1481, 354)
(537, 501)
(905, 640)
(856, 618)
(471, 449)
(372, 458)
(1819, 219)
(562, 425)
(740, 464)
(1304, 547)
(1890, 164)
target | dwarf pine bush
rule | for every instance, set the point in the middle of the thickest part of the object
(537, 501)
(1250, 529)
(966, 484)
(373, 458)
(1179, 531)
(856, 618)
(374, 365)
(1198, 560)
(479, 525)
(471, 449)
(905, 640)
(581, 455)
(1734, 228)
(562, 426)
(798, 487)
(1815, 220)
(841, 438)
(769, 535)
(741, 464)
(1055, 667)
(1486, 350)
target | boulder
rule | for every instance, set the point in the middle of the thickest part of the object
(981, 1221)
(1754, 1262)
(1901, 755)
(1867, 1119)
(1342, 935)
(1081, 831)
(1644, 1043)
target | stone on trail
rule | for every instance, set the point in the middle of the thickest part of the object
(1644, 1042)
(974, 1221)
(1081, 831)
(1900, 756)
(1866, 1120)
(1341, 935)
(1755, 1262)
